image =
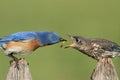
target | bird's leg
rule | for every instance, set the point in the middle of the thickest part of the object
(14, 59)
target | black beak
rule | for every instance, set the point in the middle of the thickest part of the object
(63, 41)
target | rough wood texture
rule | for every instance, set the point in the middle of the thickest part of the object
(104, 70)
(22, 73)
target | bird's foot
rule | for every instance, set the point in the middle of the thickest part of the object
(15, 62)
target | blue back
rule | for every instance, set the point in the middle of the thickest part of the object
(48, 37)
(43, 37)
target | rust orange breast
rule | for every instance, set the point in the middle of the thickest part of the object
(27, 46)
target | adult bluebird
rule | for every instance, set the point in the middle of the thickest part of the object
(95, 47)
(27, 42)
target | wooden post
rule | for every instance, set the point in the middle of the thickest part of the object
(20, 73)
(104, 70)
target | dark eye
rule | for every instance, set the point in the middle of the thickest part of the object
(78, 40)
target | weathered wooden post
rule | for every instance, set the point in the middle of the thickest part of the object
(104, 70)
(22, 73)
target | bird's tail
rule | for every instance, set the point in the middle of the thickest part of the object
(114, 51)
(0, 46)
(1, 43)
(104, 70)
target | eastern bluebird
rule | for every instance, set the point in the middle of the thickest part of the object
(95, 47)
(27, 42)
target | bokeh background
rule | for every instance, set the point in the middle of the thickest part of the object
(89, 18)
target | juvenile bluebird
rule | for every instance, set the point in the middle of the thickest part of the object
(95, 47)
(27, 42)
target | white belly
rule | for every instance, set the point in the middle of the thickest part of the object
(16, 50)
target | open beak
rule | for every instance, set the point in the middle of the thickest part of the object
(72, 44)
(69, 46)
(64, 40)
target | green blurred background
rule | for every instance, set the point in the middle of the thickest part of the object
(89, 18)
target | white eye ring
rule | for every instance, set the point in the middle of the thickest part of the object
(79, 40)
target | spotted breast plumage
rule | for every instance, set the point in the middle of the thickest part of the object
(27, 42)
(95, 47)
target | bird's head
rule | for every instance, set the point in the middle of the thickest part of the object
(49, 38)
(78, 42)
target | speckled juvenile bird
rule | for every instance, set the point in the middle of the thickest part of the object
(95, 47)
(27, 42)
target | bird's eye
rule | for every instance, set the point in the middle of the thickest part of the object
(78, 40)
